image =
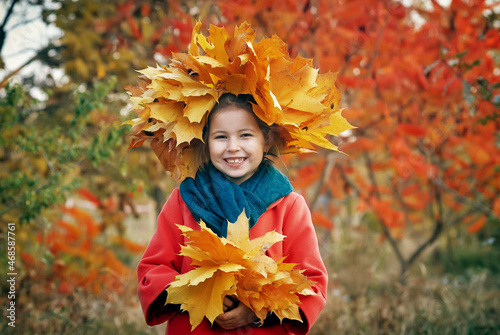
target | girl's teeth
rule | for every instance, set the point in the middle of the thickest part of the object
(235, 161)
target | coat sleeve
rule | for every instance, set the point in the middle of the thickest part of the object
(301, 246)
(161, 263)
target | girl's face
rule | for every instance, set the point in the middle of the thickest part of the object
(235, 143)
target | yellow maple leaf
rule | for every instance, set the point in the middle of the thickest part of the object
(166, 111)
(151, 72)
(197, 107)
(202, 300)
(324, 92)
(291, 88)
(186, 131)
(338, 124)
(189, 86)
(218, 37)
(236, 265)
(238, 235)
(190, 65)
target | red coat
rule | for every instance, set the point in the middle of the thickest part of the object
(160, 263)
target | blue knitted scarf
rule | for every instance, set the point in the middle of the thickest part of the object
(214, 199)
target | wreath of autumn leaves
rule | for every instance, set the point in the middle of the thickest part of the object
(173, 102)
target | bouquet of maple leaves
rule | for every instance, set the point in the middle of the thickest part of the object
(236, 266)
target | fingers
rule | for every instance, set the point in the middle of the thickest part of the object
(228, 304)
(240, 316)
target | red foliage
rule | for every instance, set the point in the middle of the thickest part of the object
(476, 226)
(81, 260)
(427, 135)
(86, 194)
(321, 220)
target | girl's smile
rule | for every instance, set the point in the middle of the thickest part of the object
(235, 142)
(235, 161)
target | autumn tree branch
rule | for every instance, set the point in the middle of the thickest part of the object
(4, 81)
(42, 55)
(3, 33)
(463, 199)
(325, 174)
(348, 182)
(438, 229)
(385, 229)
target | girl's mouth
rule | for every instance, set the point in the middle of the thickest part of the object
(235, 160)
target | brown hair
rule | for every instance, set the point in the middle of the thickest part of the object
(244, 101)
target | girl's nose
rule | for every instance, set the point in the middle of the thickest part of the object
(233, 145)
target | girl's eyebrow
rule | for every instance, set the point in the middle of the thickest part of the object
(216, 131)
(246, 130)
(238, 130)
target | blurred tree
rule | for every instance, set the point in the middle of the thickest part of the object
(100, 40)
(70, 144)
(42, 160)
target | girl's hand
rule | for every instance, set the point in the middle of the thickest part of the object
(229, 303)
(236, 317)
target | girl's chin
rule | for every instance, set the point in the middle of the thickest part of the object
(234, 176)
(237, 178)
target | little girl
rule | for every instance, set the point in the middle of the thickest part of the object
(237, 175)
(216, 120)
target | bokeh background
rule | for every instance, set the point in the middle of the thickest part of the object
(407, 217)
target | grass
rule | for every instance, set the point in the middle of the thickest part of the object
(423, 306)
(456, 291)
(41, 311)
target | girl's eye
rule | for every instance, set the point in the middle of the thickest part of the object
(246, 135)
(220, 137)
